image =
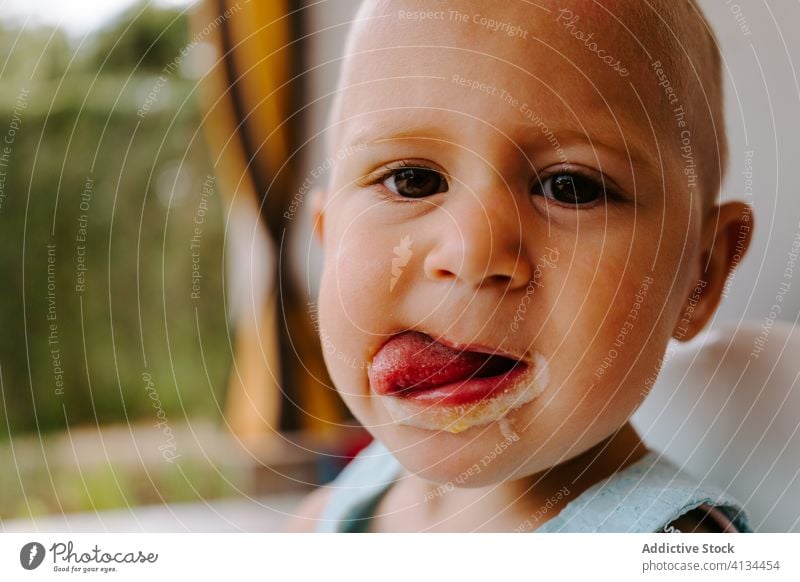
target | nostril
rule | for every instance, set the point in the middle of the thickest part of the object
(491, 280)
(478, 264)
(443, 274)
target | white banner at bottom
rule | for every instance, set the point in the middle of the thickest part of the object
(390, 557)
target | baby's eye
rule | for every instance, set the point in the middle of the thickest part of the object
(571, 189)
(415, 182)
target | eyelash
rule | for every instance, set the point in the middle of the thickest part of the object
(376, 180)
(612, 194)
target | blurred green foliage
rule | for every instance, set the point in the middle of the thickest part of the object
(72, 109)
(85, 472)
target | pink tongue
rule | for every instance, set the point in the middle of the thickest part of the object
(414, 361)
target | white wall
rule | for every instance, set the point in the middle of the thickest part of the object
(763, 115)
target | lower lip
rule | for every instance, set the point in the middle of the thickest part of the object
(469, 391)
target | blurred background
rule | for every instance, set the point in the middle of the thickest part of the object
(159, 342)
(145, 348)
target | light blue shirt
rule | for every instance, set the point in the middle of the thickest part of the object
(645, 496)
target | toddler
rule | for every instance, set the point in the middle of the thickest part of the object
(522, 212)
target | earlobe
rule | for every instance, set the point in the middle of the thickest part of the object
(726, 238)
(317, 206)
(693, 315)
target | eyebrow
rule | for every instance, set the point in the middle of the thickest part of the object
(564, 136)
(627, 148)
(374, 134)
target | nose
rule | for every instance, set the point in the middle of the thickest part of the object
(481, 242)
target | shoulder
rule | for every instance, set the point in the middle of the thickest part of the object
(364, 478)
(652, 494)
(306, 516)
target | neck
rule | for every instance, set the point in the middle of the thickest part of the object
(524, 504)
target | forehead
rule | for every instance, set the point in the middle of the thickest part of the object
(507, 65)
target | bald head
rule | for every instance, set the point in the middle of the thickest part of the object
(679, 41)
(662, 49)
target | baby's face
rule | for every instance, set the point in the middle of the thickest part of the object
(509, 192)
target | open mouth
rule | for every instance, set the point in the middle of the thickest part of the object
(426, 383)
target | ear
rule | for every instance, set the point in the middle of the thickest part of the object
(317, 208)
(727, 232)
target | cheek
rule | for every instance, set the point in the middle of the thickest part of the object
(608, 328)
(356, 275)
(355, 302)
(632, 335)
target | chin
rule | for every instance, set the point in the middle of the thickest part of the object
(477, 457)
